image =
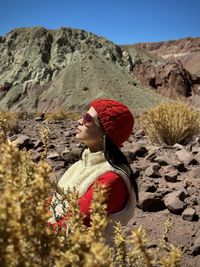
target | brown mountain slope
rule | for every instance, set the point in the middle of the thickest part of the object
(47, 69)
(187, 50)
(169, 67)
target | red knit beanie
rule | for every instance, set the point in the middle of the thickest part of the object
(116, 119)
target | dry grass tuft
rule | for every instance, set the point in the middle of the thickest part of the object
(170, 123)
(8, 122)
(61, 114)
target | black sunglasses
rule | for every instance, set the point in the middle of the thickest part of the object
(88, 118)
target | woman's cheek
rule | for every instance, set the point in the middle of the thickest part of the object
(81, 135)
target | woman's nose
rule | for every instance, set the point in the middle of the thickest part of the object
(80, 121)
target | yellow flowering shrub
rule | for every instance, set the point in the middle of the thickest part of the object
(45, 133)
(170, 123)
(8, 121)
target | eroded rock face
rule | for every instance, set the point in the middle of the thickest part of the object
(36, 54)
(170, 79)
(172, 68)
(186, 50)
(41, 69)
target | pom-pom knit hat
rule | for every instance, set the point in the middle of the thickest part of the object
(116, 119)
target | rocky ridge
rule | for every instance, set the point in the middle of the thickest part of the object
(168, 178)
(43, 70)
(187, 50)
(171, 68)
(46, 69)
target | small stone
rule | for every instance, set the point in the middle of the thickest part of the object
(165, 212)
(22, 141)
(169, 172)
(58, 165)
(151, 202)
(184, 156)
(195, 149)
(174, 201)
(38, 143)
(166, 160)
(67, 134)
(133, 151)
(196, 172)
(40, 149)
(163, 190)
(51, 146)
(197, 157)
(147, 187)
(53, 156)
(36, 156)
(171, 176)
(188, 214)
(196, 247)
(40, 118)
(153, 171)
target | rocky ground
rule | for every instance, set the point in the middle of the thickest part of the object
(168, 176)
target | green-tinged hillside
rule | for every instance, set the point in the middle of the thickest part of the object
(43, 70)
(140, 55)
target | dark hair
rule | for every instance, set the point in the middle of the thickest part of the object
(118, 160)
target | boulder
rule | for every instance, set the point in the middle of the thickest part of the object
(147, 187)
(37, 143)
(168, 78)
(196, 247)
(166, 160)
(188, 214)
(67, 133)
(175, 201)
(184, 156)
(134, 151)
(71, 156)
(151, 202)
(53, 156)
(153, 171)
(171, 176)
(22, 141)
(169, 172)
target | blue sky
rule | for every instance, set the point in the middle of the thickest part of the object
(123, 22)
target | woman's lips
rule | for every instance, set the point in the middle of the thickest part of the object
(78, 130)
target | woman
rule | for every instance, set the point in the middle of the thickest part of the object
(103, 129)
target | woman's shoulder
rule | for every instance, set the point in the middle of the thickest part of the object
(111, 177)
(114, 183)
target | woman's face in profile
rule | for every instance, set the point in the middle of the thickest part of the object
(88, 132)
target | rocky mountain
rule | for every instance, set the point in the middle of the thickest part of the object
(171, 68)
(187, 50)
(43, 70)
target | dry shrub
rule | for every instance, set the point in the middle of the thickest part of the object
(8, 122)
(26, 241)
(61, 114)
(45, 133)
(170, 123)
(139, 255)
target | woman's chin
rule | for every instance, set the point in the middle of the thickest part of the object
(78, 136)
